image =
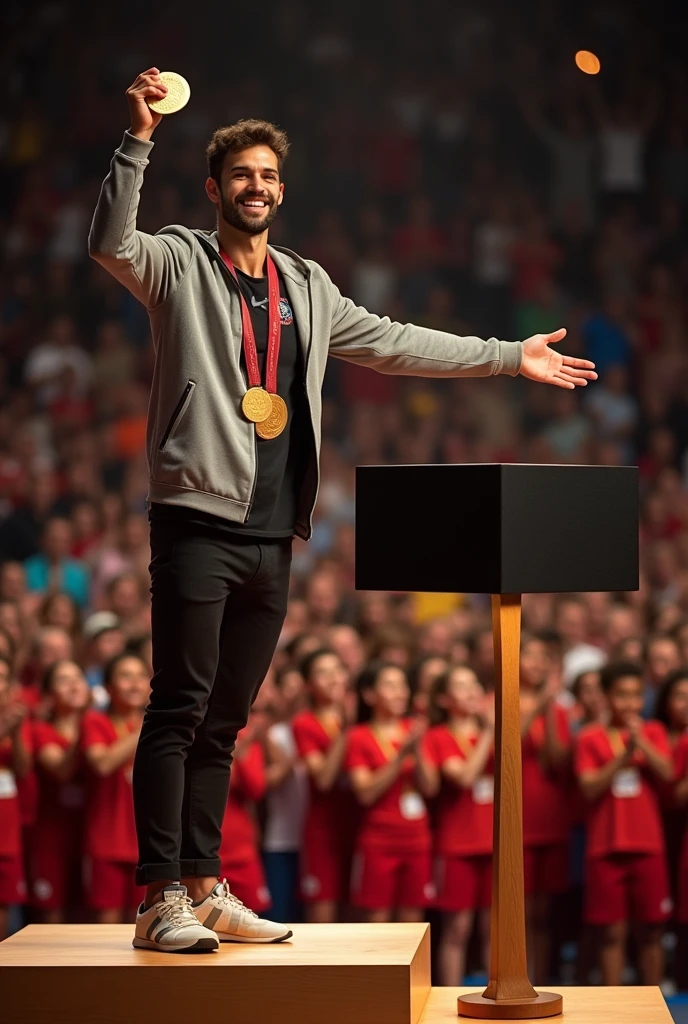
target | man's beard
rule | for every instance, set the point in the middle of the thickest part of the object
(232, 214)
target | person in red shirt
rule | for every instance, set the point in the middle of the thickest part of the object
(591, 703)
(671, 710)
(422, 679)
(681, 801)
(320, 737)
(460, 747)
(239, 850)
(590, 708)
(108, 741)
(546, 752)
(55, 844)
(50, 644)
(390, 776)
(619, 768)
(27, 784)
(15, 763)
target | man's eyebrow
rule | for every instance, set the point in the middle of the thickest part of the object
(245, 167)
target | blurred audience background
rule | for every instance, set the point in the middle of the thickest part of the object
(450, 166)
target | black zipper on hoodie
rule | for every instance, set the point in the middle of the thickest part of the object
(314, 454)
(176, 414)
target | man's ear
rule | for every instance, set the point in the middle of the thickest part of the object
(212, 190)
(281, 195)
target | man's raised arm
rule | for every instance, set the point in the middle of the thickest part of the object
(150, 266)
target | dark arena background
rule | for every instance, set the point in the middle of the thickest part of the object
(451, 165)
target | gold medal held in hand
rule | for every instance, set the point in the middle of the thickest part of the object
(276, 421)
(256, 405)
(177, 96)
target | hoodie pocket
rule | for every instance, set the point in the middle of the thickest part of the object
(179, 411)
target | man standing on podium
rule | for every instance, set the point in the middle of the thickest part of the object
(242, 331)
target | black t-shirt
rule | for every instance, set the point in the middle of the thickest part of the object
(281, 461)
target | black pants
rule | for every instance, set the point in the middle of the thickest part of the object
(218, 604)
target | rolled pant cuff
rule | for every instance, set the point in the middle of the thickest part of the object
(200, 868)
(147, 873)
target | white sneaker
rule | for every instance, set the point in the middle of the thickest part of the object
(170, 925)
(232, 921)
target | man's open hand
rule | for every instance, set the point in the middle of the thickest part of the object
(542, 363)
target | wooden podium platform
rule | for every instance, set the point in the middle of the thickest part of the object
(591, 1005)
(328, 974)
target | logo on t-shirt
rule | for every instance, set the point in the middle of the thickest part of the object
(286, 315)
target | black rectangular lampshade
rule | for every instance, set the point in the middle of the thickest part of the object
(497, 529)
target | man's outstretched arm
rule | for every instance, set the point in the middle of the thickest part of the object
(389, 347)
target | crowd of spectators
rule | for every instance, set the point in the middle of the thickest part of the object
(450, 167)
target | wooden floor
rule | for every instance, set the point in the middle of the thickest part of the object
(628, 1005)
(328, 974)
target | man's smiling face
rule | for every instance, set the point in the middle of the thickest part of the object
(250, 190)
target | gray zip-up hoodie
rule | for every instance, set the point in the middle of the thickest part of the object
(201, 450)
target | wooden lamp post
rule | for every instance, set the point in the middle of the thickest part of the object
(503, 530)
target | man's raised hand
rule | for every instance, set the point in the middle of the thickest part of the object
(542, 363)
(148, 86)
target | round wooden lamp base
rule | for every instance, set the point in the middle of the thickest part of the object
(545, 1004)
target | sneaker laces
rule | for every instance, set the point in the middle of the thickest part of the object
(177, 911)
(228, 897)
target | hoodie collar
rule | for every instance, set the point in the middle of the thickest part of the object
(289, 263)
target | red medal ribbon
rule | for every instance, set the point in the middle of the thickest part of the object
(274, 329)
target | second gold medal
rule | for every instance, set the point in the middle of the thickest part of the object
(276, 421)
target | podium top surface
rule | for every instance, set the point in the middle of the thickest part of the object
(497, 528)
(100, 945)
(632, 1004)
